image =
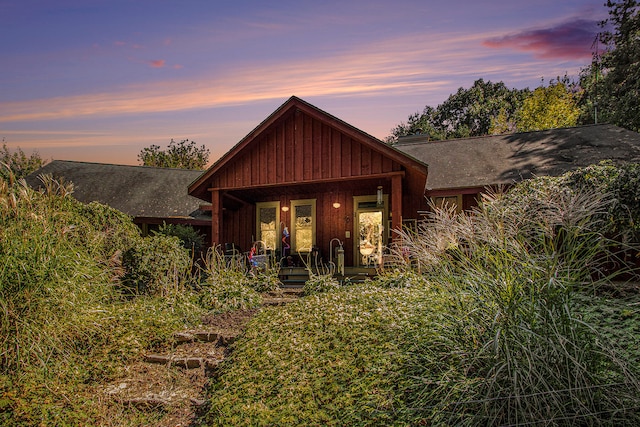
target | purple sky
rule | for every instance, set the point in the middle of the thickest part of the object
(98, 80)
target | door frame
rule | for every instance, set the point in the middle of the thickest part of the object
(363, 204)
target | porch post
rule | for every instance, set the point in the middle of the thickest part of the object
(396, 204)
(216, 217)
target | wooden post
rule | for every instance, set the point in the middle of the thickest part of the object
(216, 217)
(396, 204)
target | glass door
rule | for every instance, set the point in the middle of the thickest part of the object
(370, 229)
(267, 224)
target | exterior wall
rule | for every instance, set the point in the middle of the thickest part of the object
(301, 149)
(239, 225)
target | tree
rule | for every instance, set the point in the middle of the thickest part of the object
(469, 112)
(612, 81)
(184, 155)
(549, 107)
(18, 164)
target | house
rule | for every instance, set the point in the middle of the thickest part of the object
(461, 169)
(305, 181)
(152, 196)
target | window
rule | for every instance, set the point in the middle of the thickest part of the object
(303, 225)
(267, 223)
(448, 201)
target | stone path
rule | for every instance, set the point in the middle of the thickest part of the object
(174, 382)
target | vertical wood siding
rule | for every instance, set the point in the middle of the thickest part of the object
(300, 148)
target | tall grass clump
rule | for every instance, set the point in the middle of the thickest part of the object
(516, 349)
(65, 323)
(226, 284)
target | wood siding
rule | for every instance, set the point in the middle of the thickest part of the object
(301, 149)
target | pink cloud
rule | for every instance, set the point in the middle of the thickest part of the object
(158, 63)
(568, 40)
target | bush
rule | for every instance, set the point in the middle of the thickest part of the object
(516, 349)
(155, 265)
(490, 324)
(190, 237)
(226, 285)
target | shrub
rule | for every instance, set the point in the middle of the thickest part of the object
(320, 283)
(191, 238)
(155, 265)
(64, 326)
(226, 285)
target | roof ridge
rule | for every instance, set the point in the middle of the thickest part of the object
(124, 165)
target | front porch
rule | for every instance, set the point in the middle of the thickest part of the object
(304, 180)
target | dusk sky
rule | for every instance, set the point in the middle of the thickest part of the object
(98, 80)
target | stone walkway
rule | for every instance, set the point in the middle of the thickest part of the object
(174, 382)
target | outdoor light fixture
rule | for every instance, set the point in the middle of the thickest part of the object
(379, 200)
(336, 205)
(285, 209)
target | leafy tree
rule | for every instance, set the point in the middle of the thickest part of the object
(612, 81)
(184, 154)
(549, 107)
(17, 163)
(469, 112)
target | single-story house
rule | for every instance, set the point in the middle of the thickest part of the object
(305, 181)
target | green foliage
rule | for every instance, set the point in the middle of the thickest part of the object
(493, 323)
(226, 285)
(65, 326)
(482, 108)
(612, 81)
(191, 238)
(18, 163)
(320, 283)
(184, 154)
(550, 107)
(325, 360)
(154, 264)
(621, 218)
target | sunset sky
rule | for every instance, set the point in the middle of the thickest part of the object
(98, 80)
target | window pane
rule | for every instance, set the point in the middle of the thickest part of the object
(304, 227)
(268, 226)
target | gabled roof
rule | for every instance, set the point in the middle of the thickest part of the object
(505, 159)
(199, 187)
(139, 191)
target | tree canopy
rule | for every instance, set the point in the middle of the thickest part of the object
(468, 112)
(612, 81)
(17, 163)
(548, 107)
(184, 155)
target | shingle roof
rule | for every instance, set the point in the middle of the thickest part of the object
(139, 191)
(504, 159)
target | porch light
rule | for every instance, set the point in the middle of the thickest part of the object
(285, 209)
(379, 195)
(336, 205)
